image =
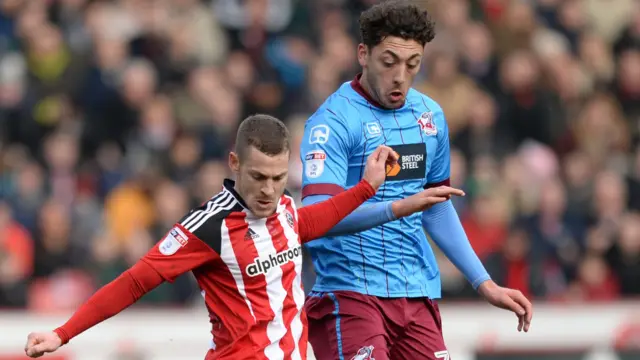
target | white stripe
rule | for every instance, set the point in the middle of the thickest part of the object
(298, 294)
(198, 214)
(209, 204)
(230, 203)
(228, 256)
(275, 292)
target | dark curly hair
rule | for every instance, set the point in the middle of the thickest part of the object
(400, 18)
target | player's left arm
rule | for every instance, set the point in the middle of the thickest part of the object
(443, 225)
(442, 222)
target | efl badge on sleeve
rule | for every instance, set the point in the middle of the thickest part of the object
(173, 241)
(427, 125)
(314, 163)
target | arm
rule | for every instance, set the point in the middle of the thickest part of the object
(179, 252)
(443, 225)
(334, 209)
(363, 218)
(111, 299)
(441, 221)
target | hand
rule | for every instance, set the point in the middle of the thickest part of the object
(40, 343)
(508, 299)
(423, 200)
(375, 169)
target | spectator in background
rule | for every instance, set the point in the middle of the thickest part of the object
(16, 259)
(109, 110)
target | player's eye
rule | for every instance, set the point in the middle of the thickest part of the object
(413, 66)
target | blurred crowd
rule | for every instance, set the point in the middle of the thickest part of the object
(116, 117)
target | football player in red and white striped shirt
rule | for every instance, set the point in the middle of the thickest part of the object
(244, 248)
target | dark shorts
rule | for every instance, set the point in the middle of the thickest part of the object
(345, 325)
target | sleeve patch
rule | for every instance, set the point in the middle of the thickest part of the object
(319, 134)
(314, 163)
(173, 241)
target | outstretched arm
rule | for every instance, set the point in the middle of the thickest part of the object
(177, 253)
(371, 215)
(315, 220)
(365, 217)
(111, 299)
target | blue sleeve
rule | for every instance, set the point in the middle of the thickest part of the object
(443, 226)
(324, 152)
(441, 167)
(365, 217)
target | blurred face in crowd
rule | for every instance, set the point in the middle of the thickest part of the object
(260, 179)
(388, 69)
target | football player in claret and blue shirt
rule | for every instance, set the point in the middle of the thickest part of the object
(377, 277)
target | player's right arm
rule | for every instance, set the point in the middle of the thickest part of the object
(328, 141)
(179, 251)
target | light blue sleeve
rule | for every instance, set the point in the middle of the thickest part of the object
(441, 168)
(444, 227)
(365, 217)
(324, 152)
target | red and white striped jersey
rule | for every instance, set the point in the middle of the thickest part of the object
(249, 271)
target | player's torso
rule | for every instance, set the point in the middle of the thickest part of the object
(254, 294)
(411, 133)
(388, 260)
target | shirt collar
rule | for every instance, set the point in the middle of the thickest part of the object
(229, 185)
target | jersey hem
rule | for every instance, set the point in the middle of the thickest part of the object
(384, 294)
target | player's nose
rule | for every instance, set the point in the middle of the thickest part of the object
(400, 76)
(268, 190)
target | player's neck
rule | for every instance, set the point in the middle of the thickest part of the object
(238, 191)
(362, 87)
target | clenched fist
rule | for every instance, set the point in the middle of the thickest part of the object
(40, 343)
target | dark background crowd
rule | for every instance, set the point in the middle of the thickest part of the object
(116, 117)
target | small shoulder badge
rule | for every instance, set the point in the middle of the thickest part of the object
(289, 219)
(427, 125)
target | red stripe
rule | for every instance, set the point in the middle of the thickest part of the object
(223, 301)
(446, 182)
(255, 287)
(304, 339)
(321, 189)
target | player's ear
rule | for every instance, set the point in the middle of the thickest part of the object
(363, 51)
(234, 162)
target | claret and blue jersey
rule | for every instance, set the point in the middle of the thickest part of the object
(393, 259)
